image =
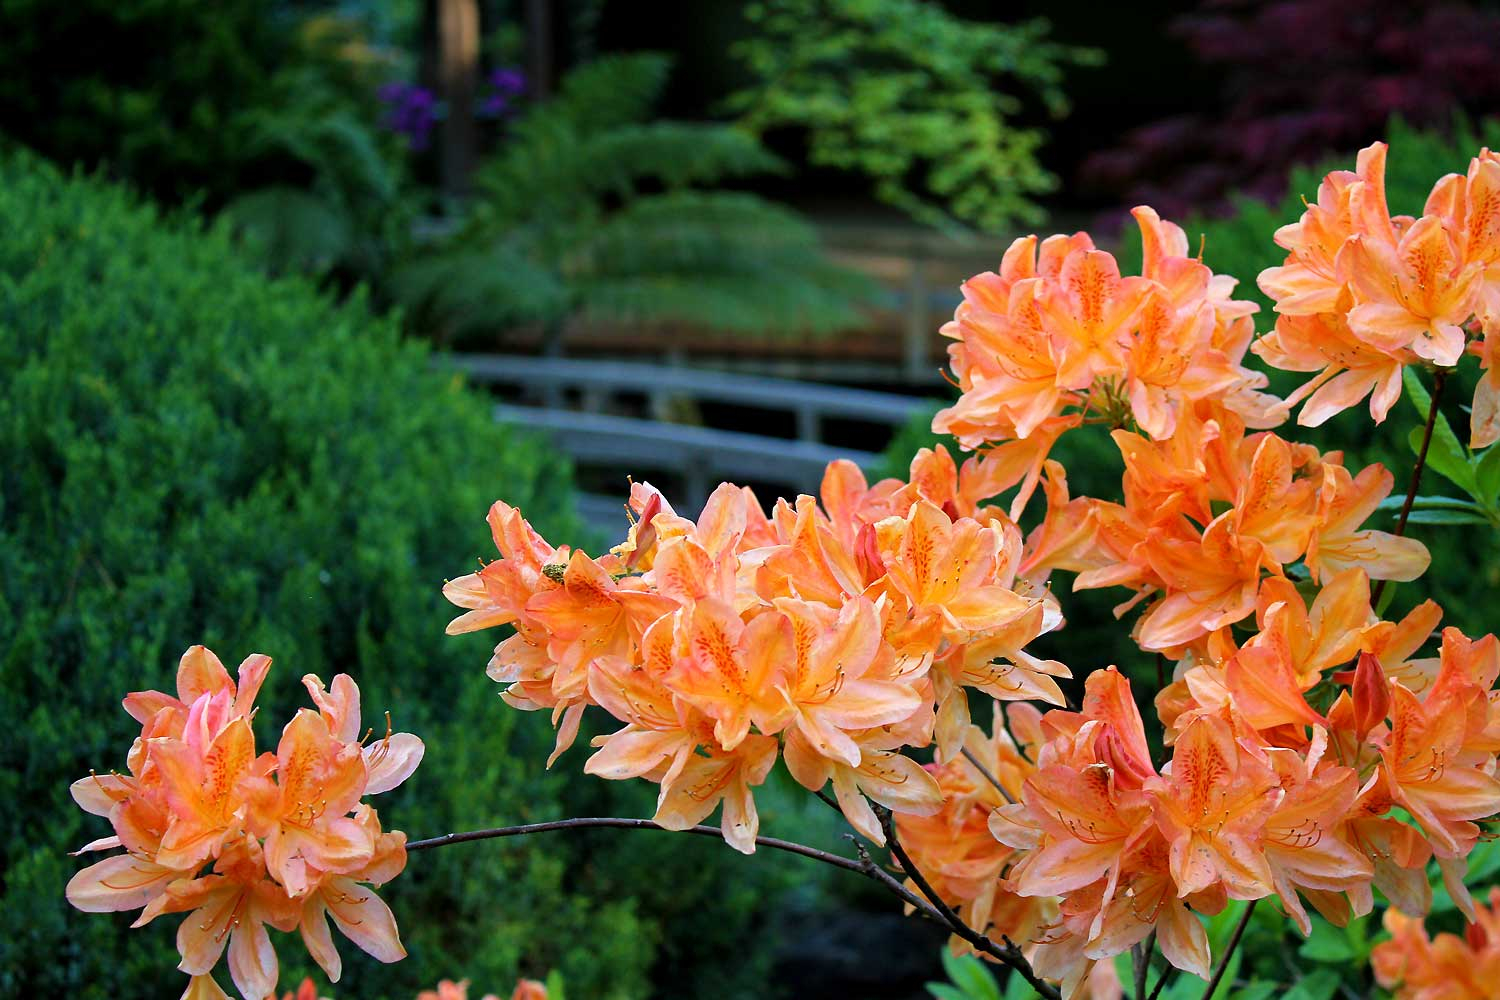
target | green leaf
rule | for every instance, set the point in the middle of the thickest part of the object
(945, 992)
(1487, 473)
(1319, 985)
(971, 976)
(1326, 943)
(1429, 503)
(1445, 455)
(1017, 988)
(1446, 517)
(1256, 989)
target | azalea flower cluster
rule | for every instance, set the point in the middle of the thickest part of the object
(1059, 338)
(832, 635)
(1414, 966)
(241, 842)
(1209, 517)
(1364, 293)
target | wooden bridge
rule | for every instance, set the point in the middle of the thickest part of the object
(586, 408)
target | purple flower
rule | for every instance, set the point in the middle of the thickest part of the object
(505, 84)
(411, 111)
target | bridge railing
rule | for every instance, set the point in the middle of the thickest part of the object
(699, 457)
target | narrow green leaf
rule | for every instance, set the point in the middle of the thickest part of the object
(1319, 985)
(942, 991)
(1254, 990)
(970, 975)
(1326, 944)
(1445, 455)
(1429, 503)
(1446, 517)
(1487, 475)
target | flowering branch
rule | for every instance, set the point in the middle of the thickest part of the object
(622, 823)
(1007, 954)
(1234, 942)
(931, 906)
(865, 866)
(1440, 378)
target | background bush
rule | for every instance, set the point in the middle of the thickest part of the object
(192, 452)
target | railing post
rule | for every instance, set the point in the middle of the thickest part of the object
(808, 424)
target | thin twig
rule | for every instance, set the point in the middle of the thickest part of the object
(848, 864)
(1140, 955)
(1170, 972)
(1439, 379)
(1007, 953)
(864, 866)
(970, 756)
(1234, 942)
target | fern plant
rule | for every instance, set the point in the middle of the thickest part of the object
(590, 207)
(921, 102)
(322, 189)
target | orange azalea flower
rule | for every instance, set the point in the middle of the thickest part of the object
(498, 593)
(836, 682)
(946, 569)
(528, 989)
(302, 813)
(1212, 803)
(1211, 582)
(1090, 309)
(358, 913)
(722, 776)
(1309, 282)
(589, 616)
(233, 906)
(731, 669)
(1338, 542)
(1304, 841)
(1349, 369)
(1434, 768)
(276, 829)
(1446, 967)
(1416, 293)
(306, 990)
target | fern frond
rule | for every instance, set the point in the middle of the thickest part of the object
(610, 91)
(479, 288)
(767, 298)
(692, 229)
(292, 229)
(549, 168)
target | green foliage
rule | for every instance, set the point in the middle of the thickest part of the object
(234, 105)
(969, 977)
(590, 207)
(196, 453)
(924, 104)
(150, 90)
(328, 193)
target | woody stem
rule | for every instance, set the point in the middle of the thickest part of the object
(1007, 953)
(1140, 957)
(621, 823)
(988, 774)
(1234, 942)
(864, 866)
(1439, 379)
